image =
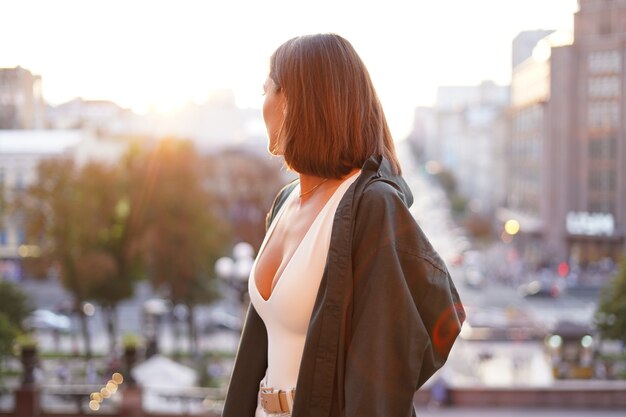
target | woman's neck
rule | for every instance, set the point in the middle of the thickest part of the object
(311, 184)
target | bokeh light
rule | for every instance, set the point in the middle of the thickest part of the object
(555, 341)
(111, 387)
(94, 405)
(117, 378)
(89, 309)
(511, 227)
(105, 393)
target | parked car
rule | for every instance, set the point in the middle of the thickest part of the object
(220, 320)
(47, 320)
(541, 288)
(474, 277)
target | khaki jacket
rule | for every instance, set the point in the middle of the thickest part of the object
(384, 320)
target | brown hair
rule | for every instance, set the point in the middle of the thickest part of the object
(334, 120)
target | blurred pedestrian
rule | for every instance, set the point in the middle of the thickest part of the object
(351, 310)
(91, 373)
(63, 373)
(438, 393)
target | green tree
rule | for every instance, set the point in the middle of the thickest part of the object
(14, 308)
(611, 315)
(14, 304)
(115, 252)
(8, 333)
(183, 237)
(78, 217)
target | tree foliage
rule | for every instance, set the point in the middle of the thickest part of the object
(14, 308)
(153, 214)
(78, 216)
(183, 238)
(14, 304)
(8, 334)
(611, 315)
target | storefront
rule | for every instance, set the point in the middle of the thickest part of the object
(592, 238)
(570, 346)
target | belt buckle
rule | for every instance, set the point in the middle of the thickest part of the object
(269, 400)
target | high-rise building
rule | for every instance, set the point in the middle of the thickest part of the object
(21, 101)
(524, 43)
(567, 150)
(471, 129)
(596, 219)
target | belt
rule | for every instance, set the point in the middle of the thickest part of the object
(277, 401)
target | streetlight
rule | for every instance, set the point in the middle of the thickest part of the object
(511, 228)
(236, 270)
(153, 310)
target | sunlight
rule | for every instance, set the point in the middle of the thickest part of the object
(205, 46)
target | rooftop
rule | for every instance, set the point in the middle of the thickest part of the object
(52, 142)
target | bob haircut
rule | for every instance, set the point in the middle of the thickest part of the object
(333, 120)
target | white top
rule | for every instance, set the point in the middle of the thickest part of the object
(287, 312)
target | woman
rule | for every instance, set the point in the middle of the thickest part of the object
(351, 308)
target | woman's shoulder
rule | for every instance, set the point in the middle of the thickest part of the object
(279, 200)
(383, 195)
(284, 192)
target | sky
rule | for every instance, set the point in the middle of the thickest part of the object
(162, 54)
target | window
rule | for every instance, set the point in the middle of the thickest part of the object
(602, 148)
(20, 185)
(603, 114)
(602, 62)
(21, 236)
(604, 87)
(602, 180)
(600, 206)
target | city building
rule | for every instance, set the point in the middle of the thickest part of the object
(213, 125)
(466, 132)
(534, 161)
(100, 116)
(423, 136)
(21, 101)
(524, 43)
(566, 176)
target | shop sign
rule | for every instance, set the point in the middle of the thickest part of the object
(591, 224)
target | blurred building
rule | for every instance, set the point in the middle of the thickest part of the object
(466, 131)
(20, 153)
(100, 116)
(213, 125)
(567, 153)
(524, 43)
(423, 136)
(21, 101)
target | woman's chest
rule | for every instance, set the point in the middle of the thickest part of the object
(280, 248)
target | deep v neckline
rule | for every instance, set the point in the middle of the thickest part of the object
(270, 233)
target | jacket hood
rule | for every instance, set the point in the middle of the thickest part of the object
(378, 168)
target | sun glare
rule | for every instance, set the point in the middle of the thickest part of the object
(149, 67)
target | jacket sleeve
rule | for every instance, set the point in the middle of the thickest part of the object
(406, 312)
(249, 368)
(251, 360)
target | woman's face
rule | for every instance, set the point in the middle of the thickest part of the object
(273, 113)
